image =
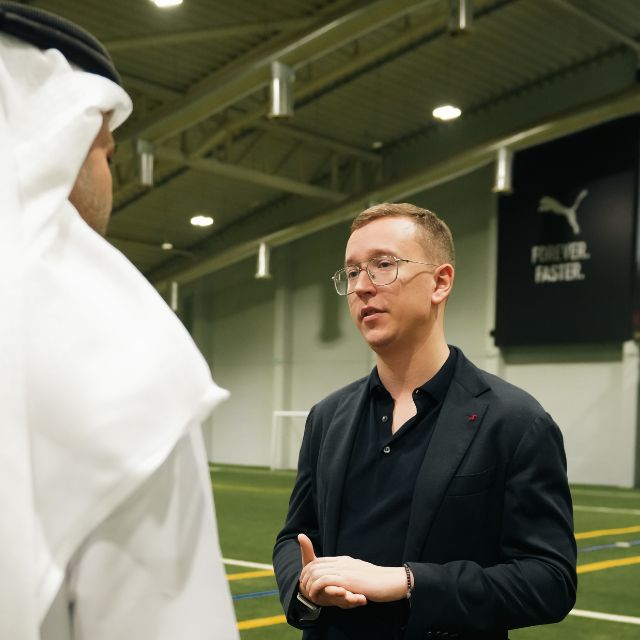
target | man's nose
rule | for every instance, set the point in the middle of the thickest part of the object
(363, 282)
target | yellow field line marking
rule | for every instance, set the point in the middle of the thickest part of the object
(607, 564)
(261, 622)
(248, 575)
(267, 622)
(606, 532)
(585, 568)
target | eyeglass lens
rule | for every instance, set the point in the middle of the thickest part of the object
(382, 270)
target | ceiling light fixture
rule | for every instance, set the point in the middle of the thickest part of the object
(262, 269)
(504, 164)
(201, 221)
(166, 246)
(166, 4)
(446, 112)
(282, 78)
(460, 16)
(145, 158)
(174, 296)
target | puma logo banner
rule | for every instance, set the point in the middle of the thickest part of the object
(567, 241)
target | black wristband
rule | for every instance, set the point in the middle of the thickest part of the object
(312, 606)
(310, 611)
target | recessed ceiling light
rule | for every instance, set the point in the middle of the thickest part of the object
(202, 221)
(377, 144)
(446, 112)
(165, 4)
(167, 246)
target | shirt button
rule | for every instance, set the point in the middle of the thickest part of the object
(387, 449)
(385, 418)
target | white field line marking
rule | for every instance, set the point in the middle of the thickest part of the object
(631, 512)
(634, 495)
(245, 563)
(609, 617)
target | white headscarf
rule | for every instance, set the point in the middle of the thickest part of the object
(98, 378)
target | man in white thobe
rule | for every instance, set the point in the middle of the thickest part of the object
(108, 528)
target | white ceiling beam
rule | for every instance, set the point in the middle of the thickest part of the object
(150, 88)
(262, 27)
(599, 24)
(287, 131)
(305, 89)
(245, 174)
(411, 32)
(435, 173)
(231, 85)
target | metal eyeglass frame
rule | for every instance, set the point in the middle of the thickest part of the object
(361, 268)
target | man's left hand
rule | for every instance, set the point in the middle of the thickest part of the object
(378, 584)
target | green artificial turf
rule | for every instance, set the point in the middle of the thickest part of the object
(251, 503)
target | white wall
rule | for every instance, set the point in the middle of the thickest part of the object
(592, 394)
(284, 344)
(591, 391)
(232, 320)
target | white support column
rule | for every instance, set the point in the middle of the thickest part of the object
(629, 408)
(494, 363)
(282, 348)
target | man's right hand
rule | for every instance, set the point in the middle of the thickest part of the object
(330, 596)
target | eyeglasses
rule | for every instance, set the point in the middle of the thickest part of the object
(382, 270)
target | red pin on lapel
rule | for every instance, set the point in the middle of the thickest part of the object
(472, 417)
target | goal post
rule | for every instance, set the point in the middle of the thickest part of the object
(287, 429)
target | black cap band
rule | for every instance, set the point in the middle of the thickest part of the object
(48, 31)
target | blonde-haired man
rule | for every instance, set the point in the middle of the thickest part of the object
(431, 499)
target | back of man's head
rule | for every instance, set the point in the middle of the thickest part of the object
(46, 30)
(60, 97)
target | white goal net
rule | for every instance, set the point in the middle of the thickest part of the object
(287, 429)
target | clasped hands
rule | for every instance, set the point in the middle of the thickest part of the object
(347, 582)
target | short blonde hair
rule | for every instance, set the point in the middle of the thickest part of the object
(433, 232)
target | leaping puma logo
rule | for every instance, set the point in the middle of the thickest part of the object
(551, 205)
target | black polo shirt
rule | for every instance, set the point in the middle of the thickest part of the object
(378, 489)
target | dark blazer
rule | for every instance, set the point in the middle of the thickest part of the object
(490, 539)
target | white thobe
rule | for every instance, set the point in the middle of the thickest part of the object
(150, 570)
(107, 510)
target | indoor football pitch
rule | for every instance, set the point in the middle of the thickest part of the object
(251, 504)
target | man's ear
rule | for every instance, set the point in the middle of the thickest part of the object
(443, 283)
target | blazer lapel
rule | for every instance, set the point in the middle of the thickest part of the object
(333, 462)
(459, 420)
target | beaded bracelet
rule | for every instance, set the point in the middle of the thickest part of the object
(408, 570)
